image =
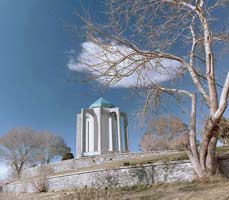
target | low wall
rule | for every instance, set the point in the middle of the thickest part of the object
(120, 177)
(224, 165)
(83, 162)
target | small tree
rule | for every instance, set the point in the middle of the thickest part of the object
(18, 148)
(165, 133)
(22, 147)
(50, 147)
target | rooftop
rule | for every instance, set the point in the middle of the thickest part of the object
(101, 102)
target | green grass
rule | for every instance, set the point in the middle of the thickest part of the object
(223, 149)
(159, 158)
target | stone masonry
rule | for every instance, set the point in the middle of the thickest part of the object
(119, 177)
(83, 162)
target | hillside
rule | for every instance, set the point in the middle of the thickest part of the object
(216, 189)
(159, 191)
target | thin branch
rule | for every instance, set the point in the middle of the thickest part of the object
(193, 143)
(223, 99)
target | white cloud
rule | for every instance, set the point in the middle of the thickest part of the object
(93, 59)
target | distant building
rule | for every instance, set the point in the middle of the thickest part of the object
(101, 129)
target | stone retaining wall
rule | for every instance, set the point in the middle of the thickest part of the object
(83, 162)
(224, 165)
(120, 177)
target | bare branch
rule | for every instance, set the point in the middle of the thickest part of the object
(141, 35)
(223, 100)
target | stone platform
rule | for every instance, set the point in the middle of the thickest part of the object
(84, 162)
(124, 176)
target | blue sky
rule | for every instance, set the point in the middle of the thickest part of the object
(37, 89)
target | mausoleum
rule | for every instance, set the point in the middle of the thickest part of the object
(101, 129)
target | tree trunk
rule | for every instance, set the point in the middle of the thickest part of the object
(211, 161)
(208, 149)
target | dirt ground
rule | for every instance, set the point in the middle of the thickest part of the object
(214, 190)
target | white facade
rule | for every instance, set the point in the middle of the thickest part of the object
(101, 129)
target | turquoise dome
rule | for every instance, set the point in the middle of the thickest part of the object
(101, 102)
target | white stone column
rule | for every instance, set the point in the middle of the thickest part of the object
(110, 134)
(119, 132)
(82, 131)
(79, 136)
(86, 133)
(99, 131)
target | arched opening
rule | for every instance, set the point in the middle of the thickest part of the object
(113, 131)
(124, 132)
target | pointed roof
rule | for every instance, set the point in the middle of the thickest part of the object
(101, 102)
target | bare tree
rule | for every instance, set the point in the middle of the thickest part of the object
(17, 148)
(165, 133)
(50, 147)
(140, 39)
(24, 147)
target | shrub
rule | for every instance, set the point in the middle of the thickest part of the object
(41, 184)
(126, 163)
(67, 156)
